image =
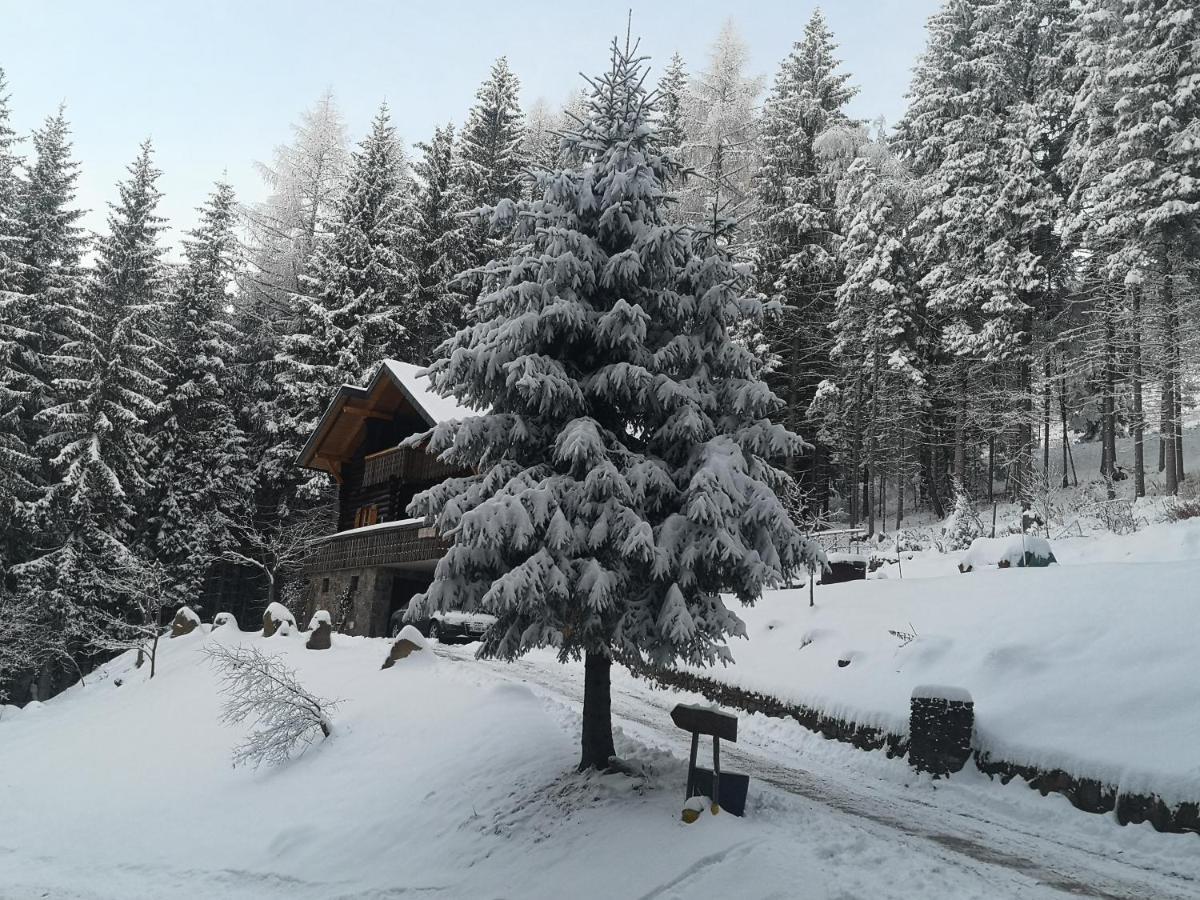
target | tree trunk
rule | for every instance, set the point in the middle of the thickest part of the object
(1108, 425)
(960, 436)
(1139, 421)
(597, 741)
(1062, 409)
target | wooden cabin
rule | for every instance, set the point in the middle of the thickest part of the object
(379, 557)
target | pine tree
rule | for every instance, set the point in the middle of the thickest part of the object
(104, 393)
(625, 471)
(359, 285)
(199, 462)
(438, 243)
(794, 226)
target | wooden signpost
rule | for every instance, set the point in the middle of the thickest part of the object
(726, 790)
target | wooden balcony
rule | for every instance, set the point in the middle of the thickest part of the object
(404, 464)
(399, 545)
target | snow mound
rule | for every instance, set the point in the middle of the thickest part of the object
(186, 612)
(411, 634)
(320, 617)
(1012, 551)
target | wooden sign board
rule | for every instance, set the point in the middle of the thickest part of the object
(705, 720)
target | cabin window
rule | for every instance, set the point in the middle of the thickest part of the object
(324, 585)
(353, 583)
(366, 515)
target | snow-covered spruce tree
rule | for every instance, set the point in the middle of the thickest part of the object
(18, 465)
(105, 392)
(877, 348)
(358, 290)
(199, 450)
(793, 234)
(436, 240)
(626, 462)
(1137, 198)
(492, 140)
(51, 250)
(674, 101)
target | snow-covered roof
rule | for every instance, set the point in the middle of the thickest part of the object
(393, 380)
(435, 407)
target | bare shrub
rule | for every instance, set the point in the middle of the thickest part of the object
(262, 689)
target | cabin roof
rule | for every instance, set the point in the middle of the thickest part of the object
(394, 386)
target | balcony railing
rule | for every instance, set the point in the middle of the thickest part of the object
(376, 546)
(404, 464)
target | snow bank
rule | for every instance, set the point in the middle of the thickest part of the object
(1013, 550)
(320, 617)
(1083, 667)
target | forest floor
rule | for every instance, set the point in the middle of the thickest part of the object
(452, 777)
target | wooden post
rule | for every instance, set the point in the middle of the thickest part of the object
(691, 779)
(716, 797)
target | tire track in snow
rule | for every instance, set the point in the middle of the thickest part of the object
(959, 835)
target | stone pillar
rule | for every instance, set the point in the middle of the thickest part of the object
(940, 724)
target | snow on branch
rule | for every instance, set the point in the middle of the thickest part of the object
(263, 689)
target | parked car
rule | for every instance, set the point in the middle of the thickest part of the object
(447, 626)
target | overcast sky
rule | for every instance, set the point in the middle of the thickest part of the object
(216, 84)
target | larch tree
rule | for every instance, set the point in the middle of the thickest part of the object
(199, 452)
(721, 146)
(351, 314)
(624, 450)
(794, 228)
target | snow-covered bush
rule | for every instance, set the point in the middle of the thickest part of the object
(912, 540)
(264, 690)
(962, 526)
(1182, 508)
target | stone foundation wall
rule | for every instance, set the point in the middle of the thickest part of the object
(371, 597)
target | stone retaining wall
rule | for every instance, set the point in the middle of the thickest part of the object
(1086, 794)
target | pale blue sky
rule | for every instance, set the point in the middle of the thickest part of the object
(215, 84)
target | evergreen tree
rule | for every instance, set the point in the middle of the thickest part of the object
(492, 140)
(50, 292)
(199, 460)
(104, 394)
(673, 103)
(438, 242)
(795, 225)
(18, 469)
(625, 474)
(360, 287)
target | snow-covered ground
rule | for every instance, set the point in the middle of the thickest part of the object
(450, 777)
